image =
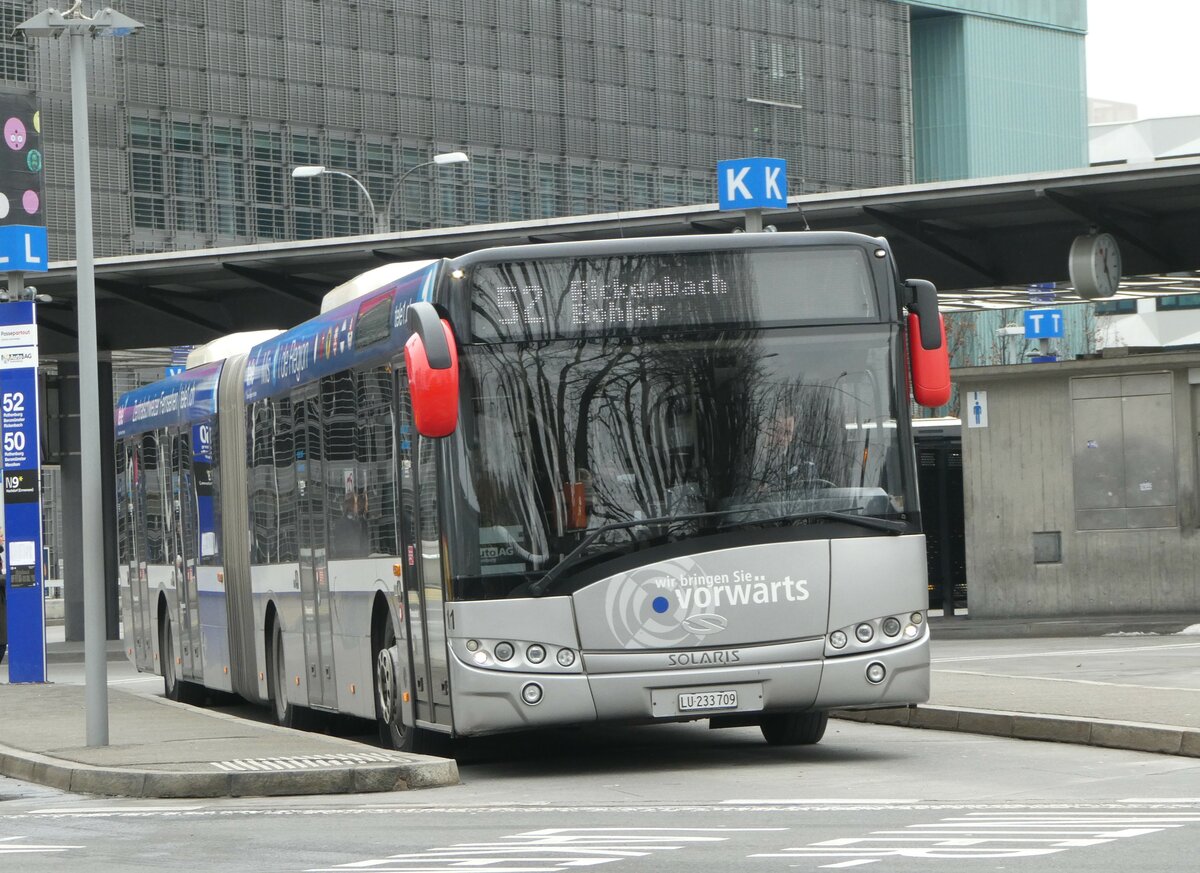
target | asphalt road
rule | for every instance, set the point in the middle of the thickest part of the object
(667, 798)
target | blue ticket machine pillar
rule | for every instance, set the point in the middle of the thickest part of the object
(20, 451)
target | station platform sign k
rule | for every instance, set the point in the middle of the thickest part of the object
(752, 183)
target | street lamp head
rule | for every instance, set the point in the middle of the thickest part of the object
(48, 23)
(307, 172)
(451, 158)
(106, 22)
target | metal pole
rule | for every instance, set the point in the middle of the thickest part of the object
(754, 222)
(95, 632)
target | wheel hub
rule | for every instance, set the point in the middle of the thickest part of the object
(386, 672)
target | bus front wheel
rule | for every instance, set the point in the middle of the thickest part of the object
(388, 688)
(794, 728)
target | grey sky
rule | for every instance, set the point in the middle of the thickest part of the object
(1145, 52)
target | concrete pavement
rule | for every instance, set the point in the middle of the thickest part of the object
(1119, 682)
(1124, 682)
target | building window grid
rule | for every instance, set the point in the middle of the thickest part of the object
(754, 54)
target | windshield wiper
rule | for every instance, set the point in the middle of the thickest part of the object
(576, 555)
(868, 521)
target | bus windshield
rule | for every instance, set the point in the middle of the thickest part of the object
(633, 442)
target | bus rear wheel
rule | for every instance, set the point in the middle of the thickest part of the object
(175, 688)
(794, 728)
(388, 707)
(286, 713)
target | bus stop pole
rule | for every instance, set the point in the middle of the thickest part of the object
(95, 631)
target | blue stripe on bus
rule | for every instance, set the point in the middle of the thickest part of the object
(187, 398)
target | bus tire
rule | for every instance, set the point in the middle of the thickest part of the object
(175, 688)
(393, 732)
(286, 713)
(794, 728)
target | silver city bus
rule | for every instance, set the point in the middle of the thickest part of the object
(626, 480)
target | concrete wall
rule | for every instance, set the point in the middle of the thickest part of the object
(1019, 480)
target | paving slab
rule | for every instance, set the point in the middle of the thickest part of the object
(158, 748)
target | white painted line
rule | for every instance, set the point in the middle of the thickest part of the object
(1073, 681)
(1160, 800)
(1118, 651)
(821, 800)
(108, 810)
(854, 863)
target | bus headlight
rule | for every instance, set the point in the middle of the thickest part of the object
(532, 694)
(566, 657)
(536, 654)
(891, 626)
(838, 639)
(504, 651)
(864, 632)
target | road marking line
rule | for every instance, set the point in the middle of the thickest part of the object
(1011, 657)
(1076, 681)
(811, 800)
(854, 863)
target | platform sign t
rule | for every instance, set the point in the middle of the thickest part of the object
(1043, 323)
(19, 451)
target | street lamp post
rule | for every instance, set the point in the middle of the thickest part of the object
(309, 172)
(445, 158)
(381, 220)
(77, 26)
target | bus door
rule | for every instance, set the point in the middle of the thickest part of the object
(420, 546)
(139, 607)
(314, 540)
(185, 554)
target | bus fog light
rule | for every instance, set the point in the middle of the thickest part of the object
(504, 651)
(566, 657)
(481, 658)
(532, 694)
(876, 672)
(864, 632)
(911, 631)
(536, 654)
(837, 639)
(916, 618)
(891, 626)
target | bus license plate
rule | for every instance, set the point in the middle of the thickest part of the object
(693, 700)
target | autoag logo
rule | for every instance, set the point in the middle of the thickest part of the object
(679, 602)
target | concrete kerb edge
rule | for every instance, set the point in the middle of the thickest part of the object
(1129, 736)
(129, 782)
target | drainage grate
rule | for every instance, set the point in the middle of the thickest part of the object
(305, 762)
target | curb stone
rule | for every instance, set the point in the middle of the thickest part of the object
(1131, 736)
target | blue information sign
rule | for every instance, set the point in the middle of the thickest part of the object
(752, 183)
(22, 493)
(23, 249)
(1043, 323)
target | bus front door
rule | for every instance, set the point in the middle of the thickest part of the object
(314, 540)
(420, 545)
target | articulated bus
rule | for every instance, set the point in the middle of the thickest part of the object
(645, 480)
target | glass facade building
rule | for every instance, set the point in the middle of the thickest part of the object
(565, 107)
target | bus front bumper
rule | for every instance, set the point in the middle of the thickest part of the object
(492, 701)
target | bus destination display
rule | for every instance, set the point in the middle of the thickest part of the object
(597, 296)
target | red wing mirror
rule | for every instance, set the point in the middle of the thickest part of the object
(929, 357)
(431, 359)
